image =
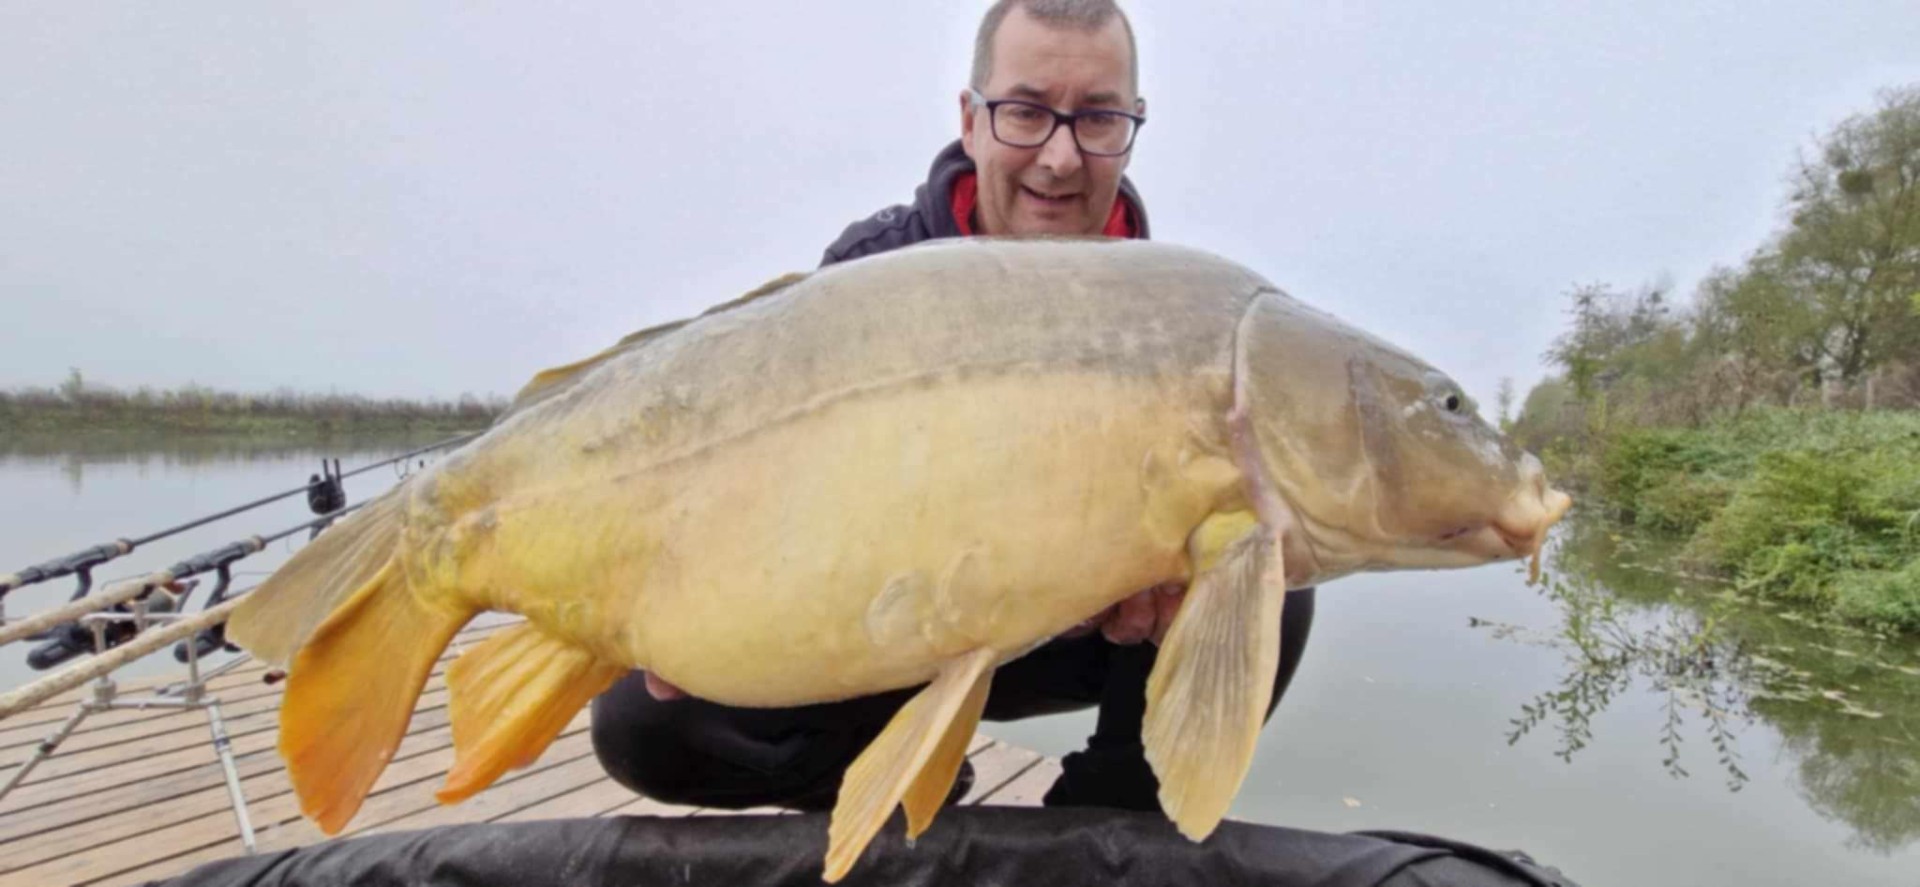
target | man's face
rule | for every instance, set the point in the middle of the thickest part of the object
(1052, 189)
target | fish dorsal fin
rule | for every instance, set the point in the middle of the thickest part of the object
(549, 382)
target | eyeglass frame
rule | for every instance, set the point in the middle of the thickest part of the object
(975, 98)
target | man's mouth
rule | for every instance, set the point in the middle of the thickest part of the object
(1059, 198)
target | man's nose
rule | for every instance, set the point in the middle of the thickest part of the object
(1060, 155)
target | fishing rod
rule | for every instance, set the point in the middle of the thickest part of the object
(121, 592)
(129, 589)
(83, 561)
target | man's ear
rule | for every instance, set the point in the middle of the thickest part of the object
(1140, 106)
(966, 124)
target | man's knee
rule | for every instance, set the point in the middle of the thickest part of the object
(695, 752)
(641, 744)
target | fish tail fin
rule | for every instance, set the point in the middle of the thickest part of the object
(274, 620)
(352, 689)
(914, 760)
(1212, 680)
(510, 696)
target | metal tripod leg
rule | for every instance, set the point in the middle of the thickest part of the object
(46, 748)
(225, 749)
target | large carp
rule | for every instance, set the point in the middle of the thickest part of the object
(904, 470)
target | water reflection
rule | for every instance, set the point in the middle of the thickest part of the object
(1846, 702)
(75, 454)
(89, 489)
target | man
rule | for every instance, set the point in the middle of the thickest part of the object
(1047, 128)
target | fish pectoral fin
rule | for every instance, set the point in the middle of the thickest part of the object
(913, 761)
(351, 691)
(510, 696)
(1213, 680)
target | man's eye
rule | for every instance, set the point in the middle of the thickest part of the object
(1094, 123)
(1023, 114)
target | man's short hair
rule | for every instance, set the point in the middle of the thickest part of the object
(1085, 15)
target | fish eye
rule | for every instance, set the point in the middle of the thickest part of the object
(1453, 402)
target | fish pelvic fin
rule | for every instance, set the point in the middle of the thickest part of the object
(914, 760)
(352, 689)
(274, 620)
(510, 696)
(1213, 681)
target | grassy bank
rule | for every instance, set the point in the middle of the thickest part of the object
(1817, 507)
(76, 408)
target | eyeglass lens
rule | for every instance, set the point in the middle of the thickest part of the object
(1029, 126)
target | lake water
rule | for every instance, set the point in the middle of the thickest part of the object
(1405, 710)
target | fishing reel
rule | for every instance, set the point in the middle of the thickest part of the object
(100, 632)
(326, 494)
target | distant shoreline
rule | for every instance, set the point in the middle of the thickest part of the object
(78, 408)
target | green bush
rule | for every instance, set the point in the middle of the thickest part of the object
(1888, 601)
(1681, 503)
(1813, 506)
(1667, 480)
(1805, 517)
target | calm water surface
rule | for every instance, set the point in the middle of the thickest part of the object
(1769, 751)
(59, 501)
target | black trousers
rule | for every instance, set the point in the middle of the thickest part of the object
(695, 752)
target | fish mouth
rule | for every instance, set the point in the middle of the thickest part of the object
(1519, 531)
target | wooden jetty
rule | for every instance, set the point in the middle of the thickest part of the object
(135, 796)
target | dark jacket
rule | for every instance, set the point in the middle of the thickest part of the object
(931, 213)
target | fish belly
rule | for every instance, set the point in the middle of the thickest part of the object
(855, 548)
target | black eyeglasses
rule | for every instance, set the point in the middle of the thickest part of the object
(1023, 124)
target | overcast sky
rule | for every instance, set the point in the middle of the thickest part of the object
(430, 199)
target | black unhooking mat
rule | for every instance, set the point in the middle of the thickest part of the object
(967, 845)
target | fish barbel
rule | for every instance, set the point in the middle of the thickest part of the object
(899, 471)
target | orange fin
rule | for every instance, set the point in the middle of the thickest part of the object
(351, 692)
(273, 620)
(510, 696)
(913, 760)
(1208, 693)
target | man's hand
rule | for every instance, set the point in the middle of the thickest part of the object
(658, 688)
(1145, 616)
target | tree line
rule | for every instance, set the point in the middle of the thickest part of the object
(76, 404)
(1825, 313)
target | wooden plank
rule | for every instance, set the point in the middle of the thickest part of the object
(148, 790)
(192, 732)
(210, 802)
(1028, 788)
(536, 786)
(593, 799)
(51, 712)
(80, 808)
(995, 766)
(272, 818)
(129, 824)
(1004, 768)
(94, 770)
(384, 807)
(69, 762)
(240, 696)
(644, 806)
